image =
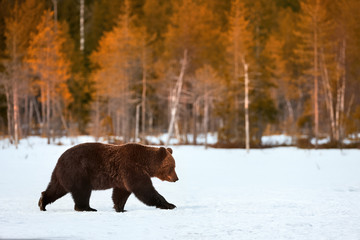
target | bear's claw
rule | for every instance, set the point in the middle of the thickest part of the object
(167, 206)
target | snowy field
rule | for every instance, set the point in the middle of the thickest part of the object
(280, 193)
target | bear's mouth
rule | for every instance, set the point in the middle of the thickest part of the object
(172, 179)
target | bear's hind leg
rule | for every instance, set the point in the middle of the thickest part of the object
(53, 192)
(81, 198)
(120, 197)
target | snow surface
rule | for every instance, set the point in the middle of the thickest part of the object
(280, 193)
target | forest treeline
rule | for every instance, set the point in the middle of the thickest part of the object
(134, 68)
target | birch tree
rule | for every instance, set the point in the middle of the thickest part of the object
(192, 38)
(19, 26)
(47, 61)
(239, 38)
(15, 69)
(209, 87)
(312, 25)
(82, 27)
(175, 97)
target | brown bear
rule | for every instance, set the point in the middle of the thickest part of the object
(125, 168)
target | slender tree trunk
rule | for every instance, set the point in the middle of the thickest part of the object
(337, 115)
(9, 112)
(37, 111)
(15, 80)
(143, 96)
(291, 115)
(151, 123)
(137, 120)
(177, 132)
(55, 2)
(31, 112)
(246, 105)
(82, 34)
(236, 72)
(62, 118)
(195, 113)
(206, 118)
(97, 119)
(351, 102)
(338, 95)
(176, 97)
(43, 109)
(25, 124)
(48, 108)
(340, 106)
(126, 116)
(316, 107)
(328, 95)
(117, 124)
(16, 112)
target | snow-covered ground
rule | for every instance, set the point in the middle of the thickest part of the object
(280, 193)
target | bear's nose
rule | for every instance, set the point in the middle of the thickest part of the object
(176, 178)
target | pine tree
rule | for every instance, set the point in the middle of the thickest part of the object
(284, 71)
(313, 24)
(193, 27)
(104, 15)
(115, 60)
(239, 38)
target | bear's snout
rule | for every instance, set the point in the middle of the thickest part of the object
(173, 177)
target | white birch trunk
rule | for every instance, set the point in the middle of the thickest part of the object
(195, 113)
(176, 98)
(97, 119)
(16, 112)
(48, 113)
(206, 118)
(55, 2)
(62, 118)
(316, 106)
(341, 90)
(14, 81)
(328, 95)
(137, 120)
(9, 113)
(82, 34)
(291, 114)
(246, 105)
(118, 124)
(143, 95)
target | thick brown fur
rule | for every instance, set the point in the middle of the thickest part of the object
(126, 168)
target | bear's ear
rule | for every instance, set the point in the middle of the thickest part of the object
(170, 150)
(162, 151)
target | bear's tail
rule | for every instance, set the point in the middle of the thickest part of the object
(53, 192)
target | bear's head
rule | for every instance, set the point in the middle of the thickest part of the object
(166, 170)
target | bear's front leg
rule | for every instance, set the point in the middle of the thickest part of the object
(148, 195)
(81, 198)
(120, 197)
(152, 198)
